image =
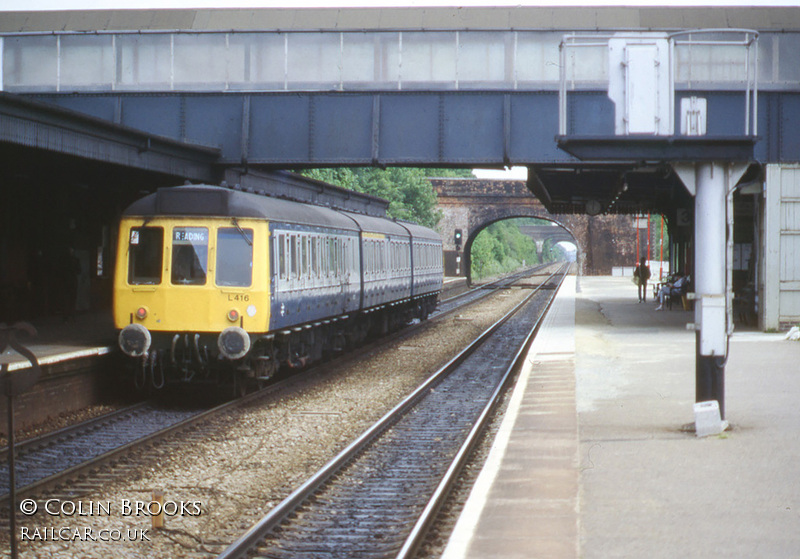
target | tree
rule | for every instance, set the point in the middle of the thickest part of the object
(502, 248)
(410, 194)
(656, 240)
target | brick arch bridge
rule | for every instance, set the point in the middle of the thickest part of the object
(471, 205)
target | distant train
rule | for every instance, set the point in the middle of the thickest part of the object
(222, 286)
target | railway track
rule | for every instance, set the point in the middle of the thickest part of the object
(476, 294)
(378, 496)
(48, 463)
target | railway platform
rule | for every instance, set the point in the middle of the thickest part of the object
(59, 340)
(594, 459)
(74, 357)
(453, 286)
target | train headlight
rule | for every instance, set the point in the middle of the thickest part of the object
(233, 315)
(233, 343)
(134, 340)
(141, 313)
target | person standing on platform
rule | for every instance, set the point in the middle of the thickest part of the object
(642, 274)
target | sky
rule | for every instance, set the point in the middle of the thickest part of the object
(513, 173)
(14, 5)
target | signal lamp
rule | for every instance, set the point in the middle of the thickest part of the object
(233, 315)
(141, 313)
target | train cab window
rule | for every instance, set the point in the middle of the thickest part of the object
(189, 255)
(234, 257)
(145, 255)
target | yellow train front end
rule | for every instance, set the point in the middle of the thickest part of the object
(190, 295)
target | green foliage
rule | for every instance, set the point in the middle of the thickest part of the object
(655, 229)
(410, 194)
(502, 248)
(548, 248)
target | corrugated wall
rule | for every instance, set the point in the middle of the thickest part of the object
(782, 247)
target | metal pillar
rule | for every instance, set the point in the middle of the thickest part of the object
(711, 184)
(710, 258)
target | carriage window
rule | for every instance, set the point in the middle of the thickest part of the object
(282, 256)
(321, 257)
(189, 255)
(314, 252)
(234, 256)
(335, 253)
(293, 255)
(145, 255)
(303, 255)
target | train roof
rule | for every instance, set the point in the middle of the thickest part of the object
(420, 232)
(371, 224)
(208, 200)
(401, 228)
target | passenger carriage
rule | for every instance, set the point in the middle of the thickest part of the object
(215, 284)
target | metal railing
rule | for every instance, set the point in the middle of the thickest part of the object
(700, 59)
(177, 60)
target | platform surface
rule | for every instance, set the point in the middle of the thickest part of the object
(58, 340)
(593, 460)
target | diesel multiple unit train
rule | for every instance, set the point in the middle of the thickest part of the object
(218, 285)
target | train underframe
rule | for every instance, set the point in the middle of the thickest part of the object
(197, 358)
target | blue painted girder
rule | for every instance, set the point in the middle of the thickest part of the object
(455, 128)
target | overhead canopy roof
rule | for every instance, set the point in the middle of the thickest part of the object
(616, 188)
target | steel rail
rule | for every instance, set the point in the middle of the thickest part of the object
(274, 517)
(114, 454)
(482, 291)
(46, 439)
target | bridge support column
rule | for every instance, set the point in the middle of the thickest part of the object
(711, 282)
(712, 184)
